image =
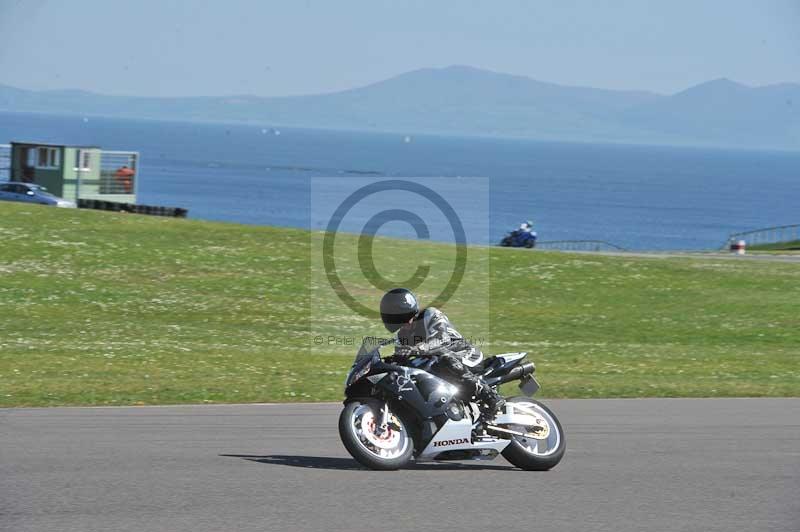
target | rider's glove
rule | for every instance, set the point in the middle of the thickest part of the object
(403, 351)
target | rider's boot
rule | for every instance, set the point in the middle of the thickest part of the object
(492, 402)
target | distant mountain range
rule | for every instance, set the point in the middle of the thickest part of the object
(470, 101)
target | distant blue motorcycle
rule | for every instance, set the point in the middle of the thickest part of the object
(519, 239)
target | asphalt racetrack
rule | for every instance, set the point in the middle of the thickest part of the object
(631, 465)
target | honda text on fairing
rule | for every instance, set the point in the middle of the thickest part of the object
(395, 412)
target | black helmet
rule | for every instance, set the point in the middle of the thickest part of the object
(398, 306)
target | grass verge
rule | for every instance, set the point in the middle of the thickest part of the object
(109, 309)
(793, 245)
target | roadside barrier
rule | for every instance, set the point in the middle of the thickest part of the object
(133, 208)
(767, 235)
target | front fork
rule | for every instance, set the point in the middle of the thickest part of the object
(384, 420)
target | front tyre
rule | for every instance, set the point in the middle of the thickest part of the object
(534, 454)
(387, 450)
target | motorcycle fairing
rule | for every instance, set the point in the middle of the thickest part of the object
(456, 436)
(426, 394)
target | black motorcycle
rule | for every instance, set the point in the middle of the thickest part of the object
(395, 412)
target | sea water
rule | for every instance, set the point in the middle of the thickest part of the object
(638, 197)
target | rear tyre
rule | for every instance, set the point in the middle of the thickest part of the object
(389, 450)
(531, 454)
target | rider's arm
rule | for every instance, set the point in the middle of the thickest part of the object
(439, 333)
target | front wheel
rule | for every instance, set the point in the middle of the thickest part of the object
(358, 428)
(536, 454)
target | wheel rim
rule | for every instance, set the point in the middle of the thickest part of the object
(546, 446)
(392, 443)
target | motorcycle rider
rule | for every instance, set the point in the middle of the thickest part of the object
(527, 227)
(429, 331)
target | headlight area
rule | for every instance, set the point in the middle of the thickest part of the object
(356, 373)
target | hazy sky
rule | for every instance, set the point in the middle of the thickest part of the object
(163, 48)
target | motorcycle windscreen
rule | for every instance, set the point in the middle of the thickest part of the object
(370, 346)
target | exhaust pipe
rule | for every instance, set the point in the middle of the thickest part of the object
(516, 373)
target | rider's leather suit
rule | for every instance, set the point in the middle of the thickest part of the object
(431, 331)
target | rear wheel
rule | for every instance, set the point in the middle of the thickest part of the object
(389, 449)
(535, 454)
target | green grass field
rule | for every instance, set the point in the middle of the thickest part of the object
(103, 309)
(793, 245)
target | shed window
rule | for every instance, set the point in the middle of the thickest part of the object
(44, 157)
(84, 160)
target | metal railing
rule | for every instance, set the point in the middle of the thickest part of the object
(5, 162)
(767, 235)
(118, 172)
(579, 245)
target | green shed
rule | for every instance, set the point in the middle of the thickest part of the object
(76, 172)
